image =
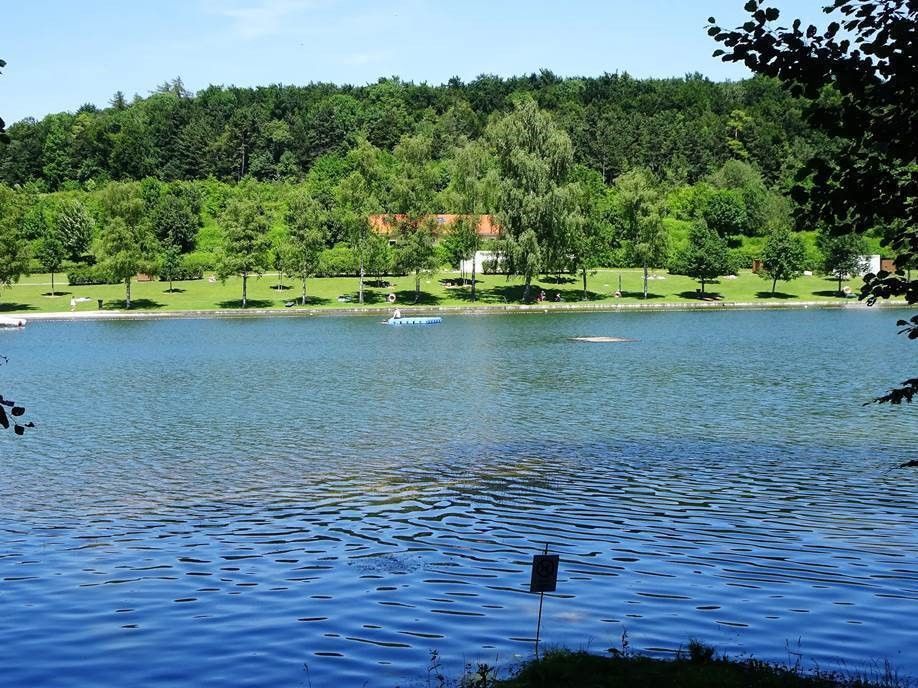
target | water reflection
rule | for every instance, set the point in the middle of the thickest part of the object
(337, 494)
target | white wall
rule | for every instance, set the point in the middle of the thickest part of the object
(481, 257)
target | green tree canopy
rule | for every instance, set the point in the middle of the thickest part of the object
(124, 250)
(51, 253)
(705, 257)
(842, 254)
(245, 242)
(639, 211)
(306, 221)
(535, 201)
(783, 257)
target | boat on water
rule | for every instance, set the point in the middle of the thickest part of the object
(11, 322)
(417, 320)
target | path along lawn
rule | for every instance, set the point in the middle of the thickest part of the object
(32, 294)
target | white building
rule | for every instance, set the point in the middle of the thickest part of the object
(481, 259)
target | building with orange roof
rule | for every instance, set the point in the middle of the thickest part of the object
(385, 224)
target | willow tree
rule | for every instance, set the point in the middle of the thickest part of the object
(472, 186)
(535, 200)
(357, 197)
(641, 219)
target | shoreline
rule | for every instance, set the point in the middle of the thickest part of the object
(491, 309)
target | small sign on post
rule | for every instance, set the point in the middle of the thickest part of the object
(544, 573)
(544, 579)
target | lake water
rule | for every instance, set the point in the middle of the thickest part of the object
(324, 501)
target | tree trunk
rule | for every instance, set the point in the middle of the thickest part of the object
(645, 280)
(839, 283)
(52, 283)
(526, 290)
(360, 291)
(774, 283)
(702, 287)
(170, 285)
(304, 291)
(127, 292)
(245, 278)
(584, 283)
(473, 276)
(417, 285)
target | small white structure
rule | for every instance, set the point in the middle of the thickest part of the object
(869, 264)
(481, 259)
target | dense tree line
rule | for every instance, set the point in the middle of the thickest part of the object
(680, 129)
(685, 174)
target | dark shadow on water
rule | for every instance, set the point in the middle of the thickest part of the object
(776, 295)
(9, 307)
(250, 303)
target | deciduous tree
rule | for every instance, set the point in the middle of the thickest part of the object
(783, 257)
(305, 220)
(705, 257)
(535, 201)
(640, 214)
(246, 243)
(124, 250)
(842, 254)
(51, 253)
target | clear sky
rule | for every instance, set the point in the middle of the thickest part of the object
(63, 53)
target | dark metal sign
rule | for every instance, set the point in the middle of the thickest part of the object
(544, 573)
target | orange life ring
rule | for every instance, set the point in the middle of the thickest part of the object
(391, 298)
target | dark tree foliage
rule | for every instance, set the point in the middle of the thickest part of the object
(11, 413)
(680, 129)
(859, 75)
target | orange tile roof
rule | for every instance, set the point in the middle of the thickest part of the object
(487, 228)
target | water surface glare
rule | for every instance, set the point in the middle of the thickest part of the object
(327, 500)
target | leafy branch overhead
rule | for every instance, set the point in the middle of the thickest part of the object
(10, 412)
(4, 137)
(858, 73)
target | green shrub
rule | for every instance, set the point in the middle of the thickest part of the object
(84, 275)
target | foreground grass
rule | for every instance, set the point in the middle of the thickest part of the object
(33, 294)
(581, 670)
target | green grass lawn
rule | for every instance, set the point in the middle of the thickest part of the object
(32, 294)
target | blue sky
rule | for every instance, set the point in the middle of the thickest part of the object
(62, 53)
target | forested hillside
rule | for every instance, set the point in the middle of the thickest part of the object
(679, 129)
